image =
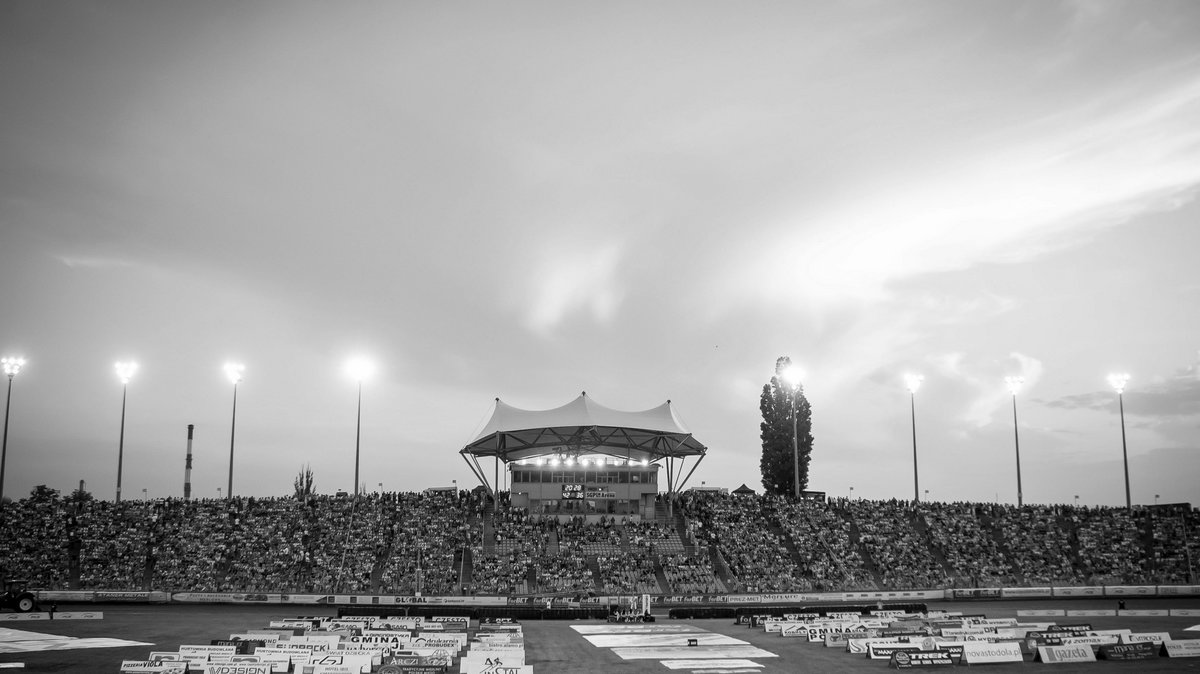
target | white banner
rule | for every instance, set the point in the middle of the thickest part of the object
(1078, 591)
(1130, 590)
(1026, 592)
(978, 652)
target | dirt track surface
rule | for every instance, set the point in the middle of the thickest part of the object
(552, 647)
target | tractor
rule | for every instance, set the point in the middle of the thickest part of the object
(17, 597)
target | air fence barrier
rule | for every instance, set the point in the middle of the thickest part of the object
(535, 607)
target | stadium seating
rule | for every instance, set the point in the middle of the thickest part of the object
(445, 543)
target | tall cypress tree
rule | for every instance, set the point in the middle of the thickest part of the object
(777, 464)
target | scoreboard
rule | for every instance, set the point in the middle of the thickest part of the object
(572, 491)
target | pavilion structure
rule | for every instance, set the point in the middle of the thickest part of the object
(585, 458)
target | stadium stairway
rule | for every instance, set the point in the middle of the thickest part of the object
(869, 564)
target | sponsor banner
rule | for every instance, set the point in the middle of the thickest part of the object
(78, 615)
(1130, 590)
(908, 660)
(1145, 612)
(130, 596)
(1096, 640)
(875, 596)
(1182, 648)
(1178, 590)
(992, 622)
(792, 598)
(295, 655)
(837, 615)
(196, 651)
(884, 651)
(65, 595)
(239, 668)
(24, 616)
(1091, 613)
(1142, 650)
(793, 630)
(1185, 612)
(1057, 654)
(358, 662)
(974, 593)
(963, 632)
(978, 652)
(1145, 637)
(225, 598)
(1026, 592)
(152, 666)
(280, 664)
(1077, 591)
(496, 669)
(492, 660)
(451, 622)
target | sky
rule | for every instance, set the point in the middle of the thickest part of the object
(643, 201)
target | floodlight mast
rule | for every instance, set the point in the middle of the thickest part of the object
(125, 371)
(234, 372)
(913, 382)
(1118, 381)
(792, 375)
(358, 369)
(12, 365)
(1014, 385)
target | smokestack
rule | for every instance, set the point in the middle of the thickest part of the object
(187, 466)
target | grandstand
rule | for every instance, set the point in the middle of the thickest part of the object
(450, 544)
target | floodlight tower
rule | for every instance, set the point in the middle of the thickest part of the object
(125, 372)
(12, 365)
(234, 372)
(1118, 381)
(913, 382)
(792, 376)
(358, 369)
(1014, 385)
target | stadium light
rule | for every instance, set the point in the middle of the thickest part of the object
(358, 369)
(234, 372)
(12, 365)
(125, 372)
(1118, 381)
(1014, 385)
(913, 382)
(792, 376)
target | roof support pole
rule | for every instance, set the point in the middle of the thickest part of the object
(473, 464)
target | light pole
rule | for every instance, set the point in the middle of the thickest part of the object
(792, 375)
(124, 373)
(1118, 382)
(1014, 385)
(359, 369)
(12, 365)
(234, 372)
(851, 493)
(913, 382)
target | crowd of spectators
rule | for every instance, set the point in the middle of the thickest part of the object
(442, 543)
(627, 574)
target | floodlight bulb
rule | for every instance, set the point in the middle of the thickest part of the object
(792, 375)
(234, 372)
(359, 368)
(913, 382)
(12, 365)
(1014, 384)
(1118, 381)
(125, 371)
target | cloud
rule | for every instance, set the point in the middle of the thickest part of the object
(93, 262)
(574, 277)
(1175, 396)
(1013, 194)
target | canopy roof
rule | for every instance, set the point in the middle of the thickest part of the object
(584, 427)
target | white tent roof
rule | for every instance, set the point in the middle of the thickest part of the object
(584, 426)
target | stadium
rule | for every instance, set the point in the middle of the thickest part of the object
(586, 533)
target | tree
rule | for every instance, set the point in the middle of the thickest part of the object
(777, 463)
(303, 484)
